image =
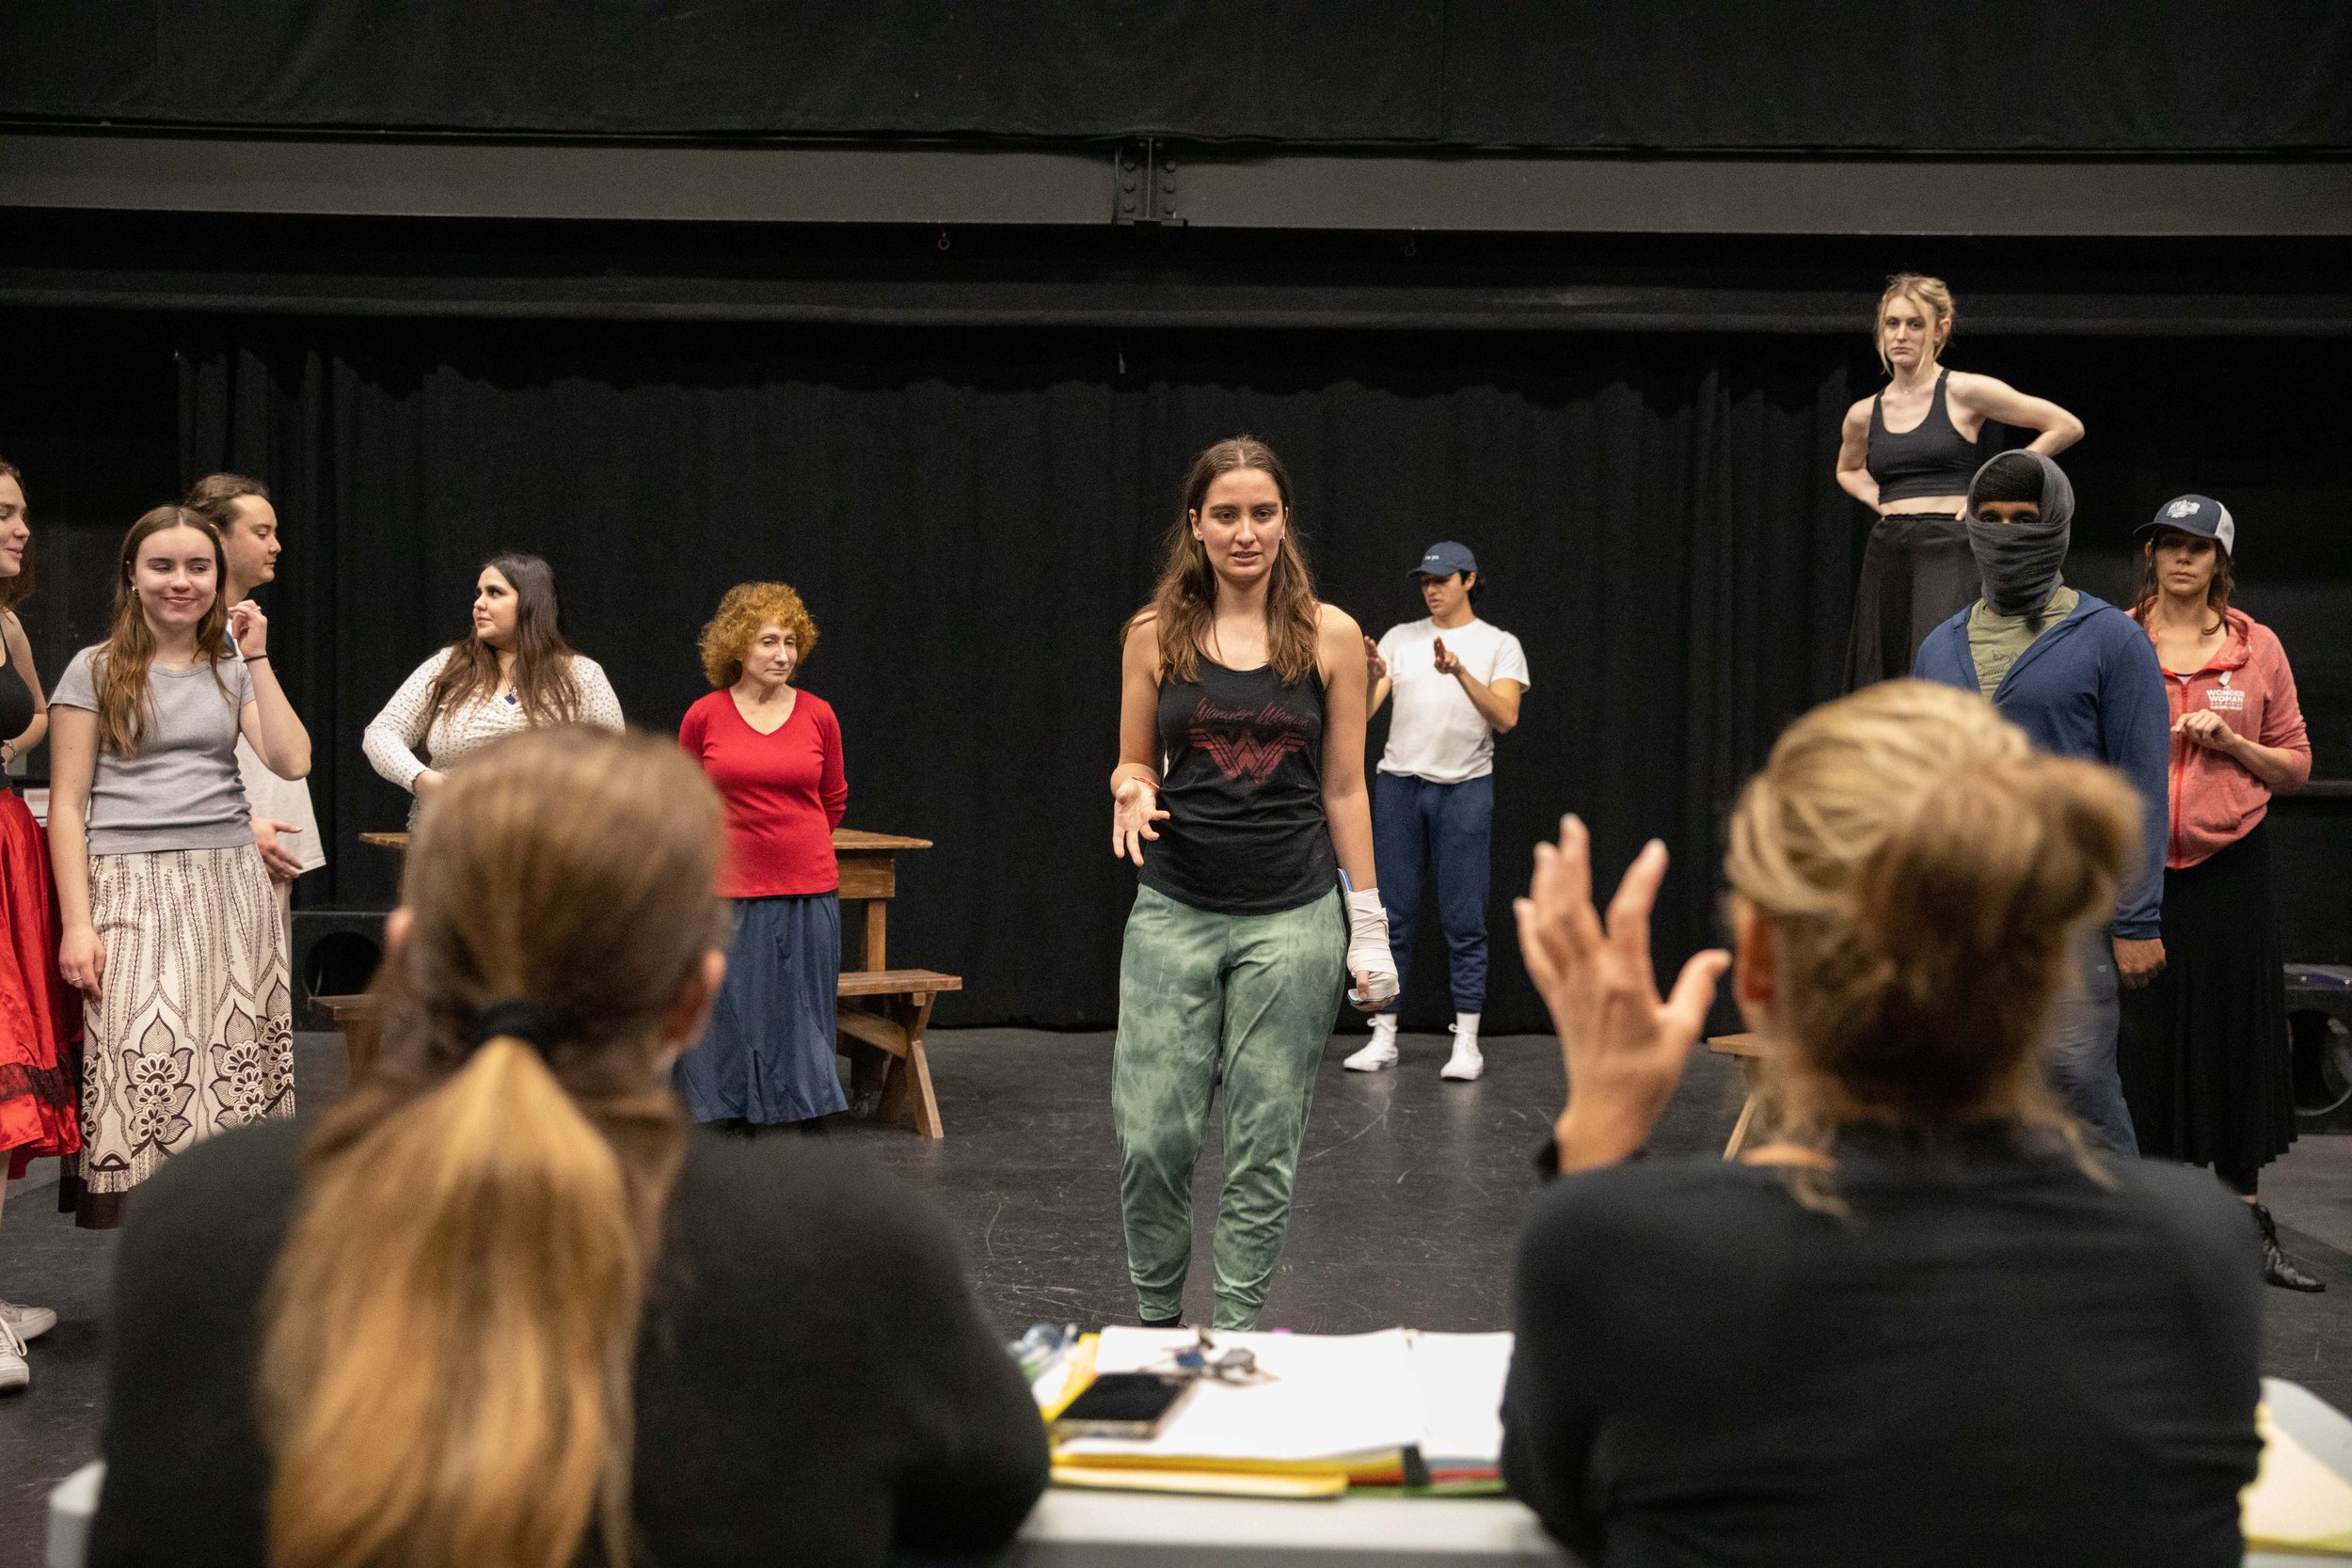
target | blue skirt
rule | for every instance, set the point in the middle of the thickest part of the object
(768, 1056)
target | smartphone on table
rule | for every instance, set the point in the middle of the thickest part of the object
(1123, 1404)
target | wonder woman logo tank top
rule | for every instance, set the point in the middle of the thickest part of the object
(1242, 787)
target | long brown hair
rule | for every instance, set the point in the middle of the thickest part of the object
(543, 659)
(2217, 591)
(450, 1332)
(1184, 601)
(18, 589)
(1924, 873)
(125, 699)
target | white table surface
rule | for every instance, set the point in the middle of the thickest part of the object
(1131, 1529)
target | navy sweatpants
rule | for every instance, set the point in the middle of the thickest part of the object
(1416, 824)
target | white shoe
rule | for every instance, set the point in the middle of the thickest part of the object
(1381, 1053)
(15, 1372)
(30, 1322)
(1466, 1064)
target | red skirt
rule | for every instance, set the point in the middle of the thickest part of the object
(41, 1016)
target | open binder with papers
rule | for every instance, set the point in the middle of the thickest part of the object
(1400, 1407)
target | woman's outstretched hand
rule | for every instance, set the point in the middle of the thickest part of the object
(1133, 809)
(1624, 1048)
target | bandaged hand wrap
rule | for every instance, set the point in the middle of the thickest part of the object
(1368, 946)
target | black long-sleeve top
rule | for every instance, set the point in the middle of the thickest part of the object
(1995, 1361)
(815, 1384)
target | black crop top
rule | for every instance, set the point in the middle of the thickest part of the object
(1932, 459)
(16, 702)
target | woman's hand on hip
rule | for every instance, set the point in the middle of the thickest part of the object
(275, 858)
(1624, 1047)
(1133, 809)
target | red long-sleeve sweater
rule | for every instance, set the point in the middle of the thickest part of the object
(785, 793)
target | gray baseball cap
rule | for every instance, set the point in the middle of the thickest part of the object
(1444, 559)
(2202, 515)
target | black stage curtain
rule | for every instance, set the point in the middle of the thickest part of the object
(1923, 74)
(971, 519)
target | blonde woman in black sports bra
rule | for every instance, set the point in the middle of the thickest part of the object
(1908, 454)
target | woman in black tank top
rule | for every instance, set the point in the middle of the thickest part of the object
(39, 1083)
(1240, 797)
(1916, 570)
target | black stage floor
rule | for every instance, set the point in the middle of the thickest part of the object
(1409, 1195)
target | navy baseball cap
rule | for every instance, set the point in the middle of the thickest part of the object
(2202, 515)
(1445, 559)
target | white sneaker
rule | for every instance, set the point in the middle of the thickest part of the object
(30, 1322)
(1466, 1064)
(1381, 1053)
(15, 1372)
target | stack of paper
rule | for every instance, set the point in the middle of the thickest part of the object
(1459, 1378)
(1363, 1408)
(2295, 1504)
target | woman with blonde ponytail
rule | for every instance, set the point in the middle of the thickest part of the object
(1923, 1323)
(502, 1307)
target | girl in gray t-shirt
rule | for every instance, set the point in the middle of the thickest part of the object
(167, 923)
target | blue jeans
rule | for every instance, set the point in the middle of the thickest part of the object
(2082, 1031)
(1414, 822)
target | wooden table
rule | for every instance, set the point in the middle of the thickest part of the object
(1748, 1051)
(869, 876)
(889, 1009)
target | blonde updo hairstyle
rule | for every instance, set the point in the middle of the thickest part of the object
(1923, 873)
(1932, 293)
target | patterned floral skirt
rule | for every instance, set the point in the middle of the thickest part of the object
(193, 1028)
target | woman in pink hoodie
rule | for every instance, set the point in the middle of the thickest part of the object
(2204, 1065)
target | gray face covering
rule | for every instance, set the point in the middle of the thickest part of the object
(2019, 561)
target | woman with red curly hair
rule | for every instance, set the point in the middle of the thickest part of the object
(774, 754)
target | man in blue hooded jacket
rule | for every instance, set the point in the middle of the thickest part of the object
(2079, 677)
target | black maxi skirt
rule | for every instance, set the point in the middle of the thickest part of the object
(1917, 573)
(2204, 1054)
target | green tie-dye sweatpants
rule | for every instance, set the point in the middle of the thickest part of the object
(1258, 996)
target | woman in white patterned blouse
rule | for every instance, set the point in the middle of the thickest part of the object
(515, 672)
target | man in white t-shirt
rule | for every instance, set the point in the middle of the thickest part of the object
(1457, 683)
(285, 829)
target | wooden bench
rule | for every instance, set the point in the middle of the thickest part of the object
(1748, 1051)
(891, 1009)
(353, 1017)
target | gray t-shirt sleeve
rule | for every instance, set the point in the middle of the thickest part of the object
(77, 688)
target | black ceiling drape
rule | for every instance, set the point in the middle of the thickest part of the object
(2182, 76)
(971, 521)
